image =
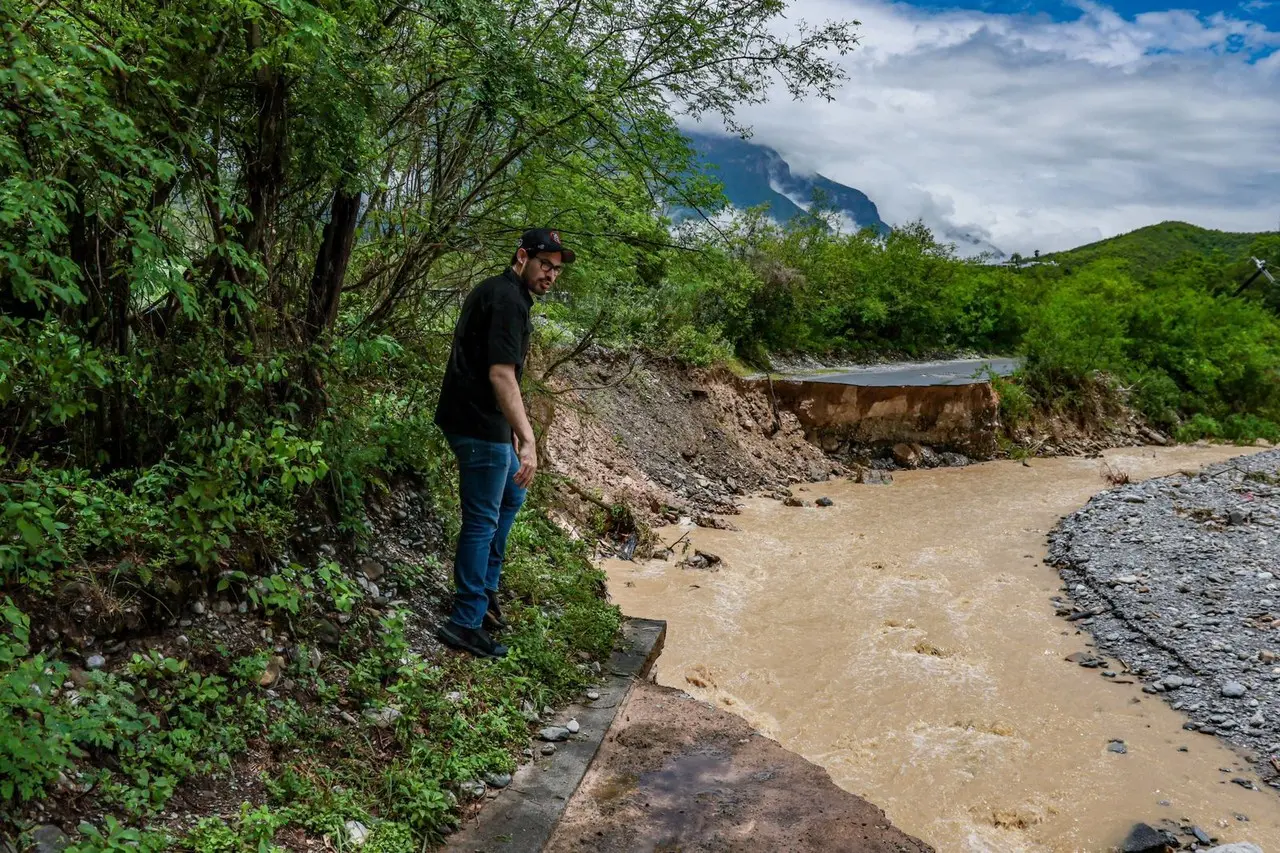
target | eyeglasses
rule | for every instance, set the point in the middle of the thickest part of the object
(548, 266)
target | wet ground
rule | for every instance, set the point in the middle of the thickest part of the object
(675, 774)
(904, 639)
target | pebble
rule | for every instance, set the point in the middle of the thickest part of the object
(1117, 746)
(497, 780)
(95, 662)
(572, 726)
(48, 839)
(554, 733)
(824, 501)
(548, 749)
(357, 832)
(593, 695)
(1233, 690)
(383, 718)
(474, 788)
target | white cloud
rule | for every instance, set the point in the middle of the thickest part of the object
(1038, 134)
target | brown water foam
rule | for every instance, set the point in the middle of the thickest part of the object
(904, 639)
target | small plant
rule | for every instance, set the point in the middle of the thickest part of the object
(1113, 475)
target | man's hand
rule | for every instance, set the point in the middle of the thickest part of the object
(507, 391)
(528, 453)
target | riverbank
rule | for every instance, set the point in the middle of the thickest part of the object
(914, 651)
(1175, 578)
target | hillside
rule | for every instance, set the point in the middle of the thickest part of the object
(1158, 245)
(756, 174)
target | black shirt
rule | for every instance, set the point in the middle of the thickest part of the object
(493, 328)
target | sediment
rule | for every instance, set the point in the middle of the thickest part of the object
(1176, 578)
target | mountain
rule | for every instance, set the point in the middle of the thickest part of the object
(756, 174)
(1157, 245)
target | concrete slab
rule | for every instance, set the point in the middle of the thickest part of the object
(521, 818)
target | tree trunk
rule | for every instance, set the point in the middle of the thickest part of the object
(331, 264)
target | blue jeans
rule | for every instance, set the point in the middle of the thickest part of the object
(490, 501)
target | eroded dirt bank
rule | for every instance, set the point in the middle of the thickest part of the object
(906, 640)
(675, 773)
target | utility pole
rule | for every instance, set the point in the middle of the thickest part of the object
(1262, 272)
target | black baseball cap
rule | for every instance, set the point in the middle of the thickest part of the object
(538, 240)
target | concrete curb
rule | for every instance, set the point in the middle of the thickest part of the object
(521, 818)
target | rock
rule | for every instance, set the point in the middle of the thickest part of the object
(874, 477)
(1268, 656)
(48, 839)
(701, 560)
(314, 657)
(1118, 747)
(1234, 690)
(1125, 579)
(1236, 847)
(548, 749)
(198, 608)
(1200, 835)
(1173, 682)
(328, 633)
(593, 695)
(453, 696)
(271, 674)
(554, 733)
(474, 789)
(95, 662)
(824, 502)
(373, 570)
(817, 473)
(1257, 720)
(1236, 517)
(573, 727)
(497, 780)
(1145, 839)
(908, 455)
(383, 718)
(357, 832)
(793, 501)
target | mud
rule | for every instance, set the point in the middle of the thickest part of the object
(906, 639)
(677, 774)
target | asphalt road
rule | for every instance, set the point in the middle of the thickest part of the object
(958, 372)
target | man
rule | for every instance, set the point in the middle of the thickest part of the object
(483, 418)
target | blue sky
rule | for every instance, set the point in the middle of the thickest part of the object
(1043, 125)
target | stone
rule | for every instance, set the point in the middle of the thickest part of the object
(554, 733)
(453, 696)
(1236, 517)
(794, 501)
(1118, 747)
(1236, 847)
(1145, 839)
(271, 674)
(1234, 690)
(372, 569)
(548, 749)
(474, 789)
(874, 477)
(357, 833)
(824, 502)
(1173, 682)
(593, 695)
(383, 718)
(1200, 835)
(198, 608)
(48, 839)
(908, 455)
(497, 780)
(94, 662)
(328, 633)
(573, 727)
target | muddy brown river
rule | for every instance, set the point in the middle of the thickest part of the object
(904, 640)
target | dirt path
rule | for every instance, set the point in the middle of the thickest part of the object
(675, 773)
(905, 640)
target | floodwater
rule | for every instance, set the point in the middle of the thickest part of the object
(904, 640)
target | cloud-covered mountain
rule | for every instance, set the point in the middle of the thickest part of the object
(755, 174)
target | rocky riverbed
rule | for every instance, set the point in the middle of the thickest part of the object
(1177, 579)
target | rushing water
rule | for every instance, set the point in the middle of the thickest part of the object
(904, 639)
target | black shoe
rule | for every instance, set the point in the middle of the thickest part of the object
(493, 616)
(474, 640)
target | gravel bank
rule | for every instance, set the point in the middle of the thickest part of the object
(1177, 578)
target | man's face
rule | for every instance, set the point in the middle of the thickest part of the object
(540, 271)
